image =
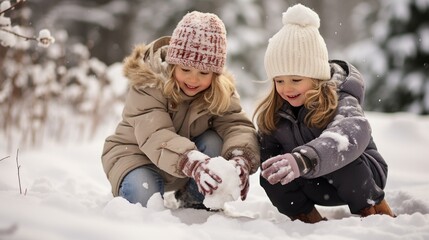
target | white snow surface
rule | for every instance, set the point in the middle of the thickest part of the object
(229, 189)
(68, 197)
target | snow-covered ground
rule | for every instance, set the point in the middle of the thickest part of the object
(68, 197)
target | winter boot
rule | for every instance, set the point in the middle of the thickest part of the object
(380, 208)
(312, 217)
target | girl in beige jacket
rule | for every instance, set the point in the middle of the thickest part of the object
(181, 110)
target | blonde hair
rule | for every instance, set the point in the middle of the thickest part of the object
(216, 99)
(321, 103)
(265, 112)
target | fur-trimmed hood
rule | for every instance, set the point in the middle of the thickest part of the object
(146, 66)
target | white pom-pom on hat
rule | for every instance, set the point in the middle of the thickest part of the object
(297, 48)
(301, 15)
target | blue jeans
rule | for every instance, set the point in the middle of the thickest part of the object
(143, 182)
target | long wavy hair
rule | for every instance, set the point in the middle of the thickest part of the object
(216, 99)
(321, 102)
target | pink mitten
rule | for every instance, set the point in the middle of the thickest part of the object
(195, 166)
(242, 166)
(281, 168)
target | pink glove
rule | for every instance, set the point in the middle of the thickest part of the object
(243, 169)
(195, 166)
(281, 168)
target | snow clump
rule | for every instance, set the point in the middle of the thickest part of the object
(229, 189)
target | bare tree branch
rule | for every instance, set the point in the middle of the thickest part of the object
(12, 6)
(18, 35)
(18, 167)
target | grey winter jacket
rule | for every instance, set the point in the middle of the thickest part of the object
(345, 139)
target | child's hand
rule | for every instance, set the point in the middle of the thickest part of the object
(281, 168)
(243, 169)
(195, 166)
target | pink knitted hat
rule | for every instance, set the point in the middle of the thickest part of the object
(199, 41)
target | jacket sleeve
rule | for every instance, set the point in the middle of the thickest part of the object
(269, 146)
(238, 134)
(342, 142)
(147, 113)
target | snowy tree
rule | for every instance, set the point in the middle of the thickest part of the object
(40, 88)
(395, 56)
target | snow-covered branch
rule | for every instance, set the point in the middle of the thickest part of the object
(9, 34)
(6, 6)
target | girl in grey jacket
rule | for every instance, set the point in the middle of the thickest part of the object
(181, 110)
(316, 144)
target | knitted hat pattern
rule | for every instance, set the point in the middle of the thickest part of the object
(199, 41)
(298, 48)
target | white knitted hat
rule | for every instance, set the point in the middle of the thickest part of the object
(298, 48)
(199, 40)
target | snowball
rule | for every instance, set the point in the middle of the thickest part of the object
(229, 189)
(301, 15)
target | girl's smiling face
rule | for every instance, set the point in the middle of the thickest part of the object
(293, 88)
(191, 80)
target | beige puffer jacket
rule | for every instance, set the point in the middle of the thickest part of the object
(154, 133)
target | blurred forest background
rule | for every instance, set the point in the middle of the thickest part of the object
(71, 88)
